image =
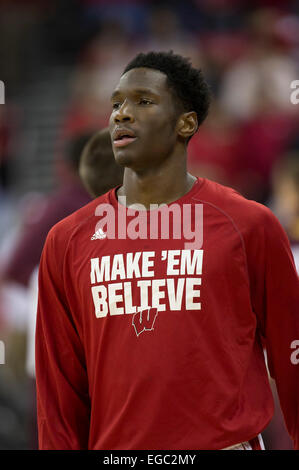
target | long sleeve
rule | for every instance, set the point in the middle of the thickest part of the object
(62, 387)
(275, 298)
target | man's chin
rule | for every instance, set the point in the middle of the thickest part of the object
(125, 160)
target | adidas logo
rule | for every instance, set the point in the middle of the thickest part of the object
(99, 235)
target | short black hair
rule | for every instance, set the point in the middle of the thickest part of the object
(98, 169)
(188, 84)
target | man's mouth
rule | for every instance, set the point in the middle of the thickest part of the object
(123, 141)
(123, 137)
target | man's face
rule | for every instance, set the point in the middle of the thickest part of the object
(143, 120)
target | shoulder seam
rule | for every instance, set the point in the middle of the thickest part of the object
(72, 233)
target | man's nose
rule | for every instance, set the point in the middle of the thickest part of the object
(124, 113)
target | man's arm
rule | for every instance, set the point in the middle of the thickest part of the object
(275, 296)
(62, 386)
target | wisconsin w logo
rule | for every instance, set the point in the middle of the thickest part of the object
(144, 320)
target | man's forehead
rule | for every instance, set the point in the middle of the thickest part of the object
(143, 78)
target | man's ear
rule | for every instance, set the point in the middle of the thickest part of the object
(187, 124)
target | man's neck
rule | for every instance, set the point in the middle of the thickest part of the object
(156, 186)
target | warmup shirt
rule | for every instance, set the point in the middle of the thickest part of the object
(157, 342)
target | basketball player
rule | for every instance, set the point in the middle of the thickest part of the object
(146, 337)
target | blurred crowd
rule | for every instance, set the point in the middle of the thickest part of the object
(249, 53)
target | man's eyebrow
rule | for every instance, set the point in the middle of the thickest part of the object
(144, 91)
(135, 91)
(114, 94)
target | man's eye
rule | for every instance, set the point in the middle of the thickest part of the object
(145, 101)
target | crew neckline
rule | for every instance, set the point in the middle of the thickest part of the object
(196, 186)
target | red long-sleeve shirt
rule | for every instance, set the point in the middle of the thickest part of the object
(187, 372)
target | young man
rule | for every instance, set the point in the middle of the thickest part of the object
(146, 337)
